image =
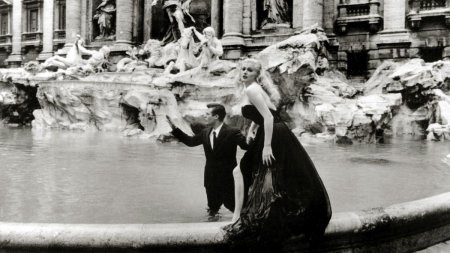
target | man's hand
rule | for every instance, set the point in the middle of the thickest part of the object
(154, 2)
(169, 120)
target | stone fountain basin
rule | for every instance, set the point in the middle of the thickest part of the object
(403, 227)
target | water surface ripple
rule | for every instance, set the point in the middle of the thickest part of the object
(76, 177)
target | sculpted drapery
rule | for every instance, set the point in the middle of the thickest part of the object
(276, 12)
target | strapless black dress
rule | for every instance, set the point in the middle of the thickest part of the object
(283, 200)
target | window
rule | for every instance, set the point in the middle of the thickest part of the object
(4, 23)
(62, 16)
(431, 54)
(33, 22)
(357, 63)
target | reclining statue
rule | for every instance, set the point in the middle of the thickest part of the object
(72, 58)
(134, 61)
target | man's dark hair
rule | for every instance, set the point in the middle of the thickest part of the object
(217, 109)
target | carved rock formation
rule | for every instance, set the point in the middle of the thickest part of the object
(408, 97)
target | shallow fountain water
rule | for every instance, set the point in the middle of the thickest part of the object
(101, 177)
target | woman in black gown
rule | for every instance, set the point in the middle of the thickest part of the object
(286, 196)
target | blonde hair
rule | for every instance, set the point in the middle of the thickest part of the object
(265, 81)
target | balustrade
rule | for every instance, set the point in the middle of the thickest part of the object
(360, 12)
(432, 4)
(427, 8)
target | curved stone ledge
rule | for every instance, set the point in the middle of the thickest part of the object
(401, 227)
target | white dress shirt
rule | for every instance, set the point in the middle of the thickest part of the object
(211, 135)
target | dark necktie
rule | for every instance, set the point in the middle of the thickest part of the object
(214, 139)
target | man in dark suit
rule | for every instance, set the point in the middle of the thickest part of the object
(219, 142)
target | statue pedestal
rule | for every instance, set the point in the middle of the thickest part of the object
(14, 60)
(271, 26)
(276, 29)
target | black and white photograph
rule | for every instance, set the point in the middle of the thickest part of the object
(225, 126)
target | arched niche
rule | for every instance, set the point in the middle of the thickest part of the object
(261, 14)
(93, 21)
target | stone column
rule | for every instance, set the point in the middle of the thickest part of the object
(84, 19)
(247, 17)
(47, 50)
(233, 40)
(297, 15)
(394, 14)
(15, 58)
(394, 23)
(73, 21)
(124, 23)
(147, 20)
(312, 13)
(215, 16)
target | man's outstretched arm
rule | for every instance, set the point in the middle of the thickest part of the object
(190, 141)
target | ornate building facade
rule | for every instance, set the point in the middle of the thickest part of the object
(362, 33)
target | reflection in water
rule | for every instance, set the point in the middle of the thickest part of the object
(368, 160)
(75, 177)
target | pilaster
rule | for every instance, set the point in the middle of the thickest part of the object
(47, 50)
(297, 14)
(233, 39)
(73, 22)
(148, 20)
(15, 58)
(124, 24)
(312, 13)
(215, 16)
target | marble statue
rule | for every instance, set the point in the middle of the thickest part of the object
(177, 11)
(275, 12)
(72, 58)
(134, 61)
(98, 59)
(211, 47)
(186, 55)
(97, 62)
(155, 51)
(104, 16)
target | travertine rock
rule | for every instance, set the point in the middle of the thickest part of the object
(401, 97)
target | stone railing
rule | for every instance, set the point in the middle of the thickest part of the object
(5, 39)
(59, 34)
(432, 4)
(32, 39)
(420, 9)
(359, 12)
(6, 42)
(59, 39)
(405, 227)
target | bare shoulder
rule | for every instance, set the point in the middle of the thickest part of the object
(254, 89)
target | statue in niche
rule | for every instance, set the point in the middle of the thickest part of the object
(275, 12)
(179, 17)
(104, 16)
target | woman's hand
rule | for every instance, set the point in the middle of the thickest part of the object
(249, 138)
(267, 155)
